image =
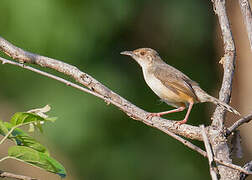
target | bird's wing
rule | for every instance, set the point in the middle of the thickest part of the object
(175, 80)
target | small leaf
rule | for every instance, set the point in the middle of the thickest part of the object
(3, 128)
(23, 117)
(23, 139)
(37, 159)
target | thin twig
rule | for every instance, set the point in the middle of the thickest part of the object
(96, 88)
(4, 174)
(247, 18)
(209, 154)
(248, 167)
(4, 158)
(232, 166)
(68, 83)
(238, 123)
(204, 154)
(6, 136)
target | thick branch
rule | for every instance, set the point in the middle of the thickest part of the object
(247, 18)
(131, 110)
(228, 61)
(216, 131)
(15, 176)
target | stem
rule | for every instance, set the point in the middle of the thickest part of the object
(6, 136)
(4, 158)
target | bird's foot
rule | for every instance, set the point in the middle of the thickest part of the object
(150, 115)
(181, 122)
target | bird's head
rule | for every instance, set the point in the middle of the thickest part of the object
(144, 56)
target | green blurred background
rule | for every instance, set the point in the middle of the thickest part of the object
(93, 140)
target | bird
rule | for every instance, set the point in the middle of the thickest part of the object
(171, 85)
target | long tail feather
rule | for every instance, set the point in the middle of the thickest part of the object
(204, 97)
(224, 105)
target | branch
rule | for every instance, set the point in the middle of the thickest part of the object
(216, 130)
(228, 61)
(238, 123)
(247, 18)
(162, 127)
(99, 90)
(15, 176)
(209, 154)
(68, 83)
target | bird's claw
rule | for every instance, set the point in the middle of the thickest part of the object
(181, 122)
(152, 115)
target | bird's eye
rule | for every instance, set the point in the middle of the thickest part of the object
(142, 53)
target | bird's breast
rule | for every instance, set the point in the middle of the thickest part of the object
(162, 91)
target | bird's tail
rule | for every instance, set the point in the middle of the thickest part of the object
(222, 104)
(204, 97)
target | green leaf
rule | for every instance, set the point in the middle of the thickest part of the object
(3, 128)
(23, 139)
(22, 118)
(37, 159)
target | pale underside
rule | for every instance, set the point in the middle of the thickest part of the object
(172, 89)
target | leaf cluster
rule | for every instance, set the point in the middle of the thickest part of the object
(27, 149)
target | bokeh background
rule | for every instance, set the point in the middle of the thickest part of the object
(96, 141)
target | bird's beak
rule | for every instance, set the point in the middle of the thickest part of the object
(127, 53)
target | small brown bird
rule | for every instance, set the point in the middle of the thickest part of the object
(171, 85)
